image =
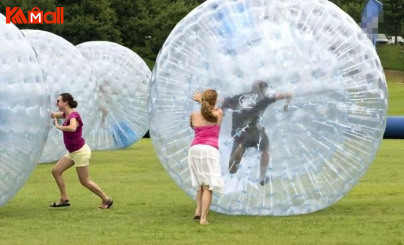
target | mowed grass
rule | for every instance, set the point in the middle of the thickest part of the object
(395, 86)
(391, 56)
(150, 208)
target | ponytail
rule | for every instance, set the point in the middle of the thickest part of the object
(73, 104)
(209, 97)
(206, 111)
(69, 98)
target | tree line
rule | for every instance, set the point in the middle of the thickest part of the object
(144, 25)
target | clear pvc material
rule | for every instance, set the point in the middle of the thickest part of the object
(66, 71)
(24, 110)
(319, 145)
(123, 80)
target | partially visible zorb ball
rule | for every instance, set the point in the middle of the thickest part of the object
(123, 82)
(24, 110)
(66, 71)
(319, 148)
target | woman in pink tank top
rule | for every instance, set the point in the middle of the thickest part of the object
(203, 155)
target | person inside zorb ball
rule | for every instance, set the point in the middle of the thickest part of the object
(247, 129)
(304, 99)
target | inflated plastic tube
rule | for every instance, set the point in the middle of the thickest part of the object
(319, 147)
(24, 110)
(66, 71)
(394, 128)
(123, 82)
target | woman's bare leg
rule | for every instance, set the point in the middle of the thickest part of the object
(57, 171)
(198, 209)
(206, 201)
(85, 180)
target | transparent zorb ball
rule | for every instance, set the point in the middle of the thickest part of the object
(123, 82)
(24, 110)
(66, 71)
(318, 145)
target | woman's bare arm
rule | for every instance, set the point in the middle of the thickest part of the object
(57, 114)
(70, 128)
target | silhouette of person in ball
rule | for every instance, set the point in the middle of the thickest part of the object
(247, 130)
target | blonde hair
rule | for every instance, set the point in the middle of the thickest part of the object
(209, 97)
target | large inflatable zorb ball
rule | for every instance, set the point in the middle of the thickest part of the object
(24, 110)
(123, 81)
(66, 71)
(297, 158)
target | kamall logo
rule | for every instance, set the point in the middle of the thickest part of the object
(35, 16)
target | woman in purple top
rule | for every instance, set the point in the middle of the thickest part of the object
(203, 155)
(78, 154)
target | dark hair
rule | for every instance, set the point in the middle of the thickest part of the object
(69, 98)
(259, 86)
(209, 97)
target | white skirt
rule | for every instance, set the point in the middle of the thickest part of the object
(204, 165)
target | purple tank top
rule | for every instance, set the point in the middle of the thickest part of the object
(207, 135)
(73, 140)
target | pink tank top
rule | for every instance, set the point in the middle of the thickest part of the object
(207, 135)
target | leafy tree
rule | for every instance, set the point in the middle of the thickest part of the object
(27, 5)
(89, 20)
(351, 7)
(84, 20)
(391, 19)
(125, 11)
(146, 24)
(393, 13)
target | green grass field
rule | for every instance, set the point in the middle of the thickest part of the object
(395, 87)
(391, 56)
(150, 209)
(392, 59)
